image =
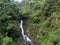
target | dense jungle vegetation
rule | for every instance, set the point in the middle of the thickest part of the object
(41, 21)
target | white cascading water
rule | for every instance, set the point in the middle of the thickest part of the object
(25, 37)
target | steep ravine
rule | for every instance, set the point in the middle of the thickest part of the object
(28, 30)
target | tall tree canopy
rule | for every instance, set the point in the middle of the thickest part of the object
(44, 21)
(41, 21)
(9, 14)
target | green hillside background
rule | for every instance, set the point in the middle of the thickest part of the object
(41, 21)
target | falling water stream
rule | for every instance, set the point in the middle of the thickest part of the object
(25, 37)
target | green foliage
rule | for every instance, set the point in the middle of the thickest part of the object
(1, 39)
(43, 21)
(9, 16)
(8, 41)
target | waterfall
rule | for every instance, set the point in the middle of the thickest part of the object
(25, 37)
